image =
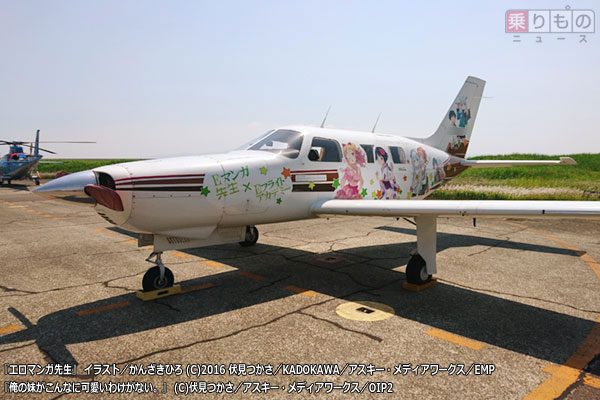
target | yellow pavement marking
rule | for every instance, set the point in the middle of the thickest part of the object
(456, 339)
(302, 291)
(563, 376)
(101, 309)
(214, 264)
(591, 380)
(193, 288)
(253, 276)
(6, 329)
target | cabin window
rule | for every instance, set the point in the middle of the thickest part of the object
(368, 148)
(282, 141)
(325, 150)
(398, 155)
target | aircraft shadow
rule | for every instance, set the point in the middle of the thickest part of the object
(526, 329)
(16, 186)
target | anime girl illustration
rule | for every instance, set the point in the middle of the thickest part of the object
(420, 182)
(352, 178)
(461, 116)
(438, 172)
(387, 180)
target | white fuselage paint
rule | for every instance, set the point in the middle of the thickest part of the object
(192, 196)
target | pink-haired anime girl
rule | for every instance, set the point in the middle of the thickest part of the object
(352, 178)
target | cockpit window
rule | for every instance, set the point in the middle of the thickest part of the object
(282, 141)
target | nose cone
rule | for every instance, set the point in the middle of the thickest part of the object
(69, 187)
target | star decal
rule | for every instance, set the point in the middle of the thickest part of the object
(204, 192)
(335, 183)
(404, 178)
(278, 201)
(263, 170)
(286, 172)
(363, 192)
(372, 182)
(379, 194)
(311, 185)
(374, 194)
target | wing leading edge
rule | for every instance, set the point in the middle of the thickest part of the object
(461, 208)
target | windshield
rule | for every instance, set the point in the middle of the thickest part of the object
(282, 141)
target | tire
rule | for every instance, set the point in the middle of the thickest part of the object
(251, 236)
(416, 271)
(151, 280)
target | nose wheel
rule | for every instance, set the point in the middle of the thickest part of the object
(157, 277)
(251, 236)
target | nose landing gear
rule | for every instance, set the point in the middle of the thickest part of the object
(159, 276)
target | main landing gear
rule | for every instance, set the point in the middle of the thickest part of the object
(251, 236)
(421, 265)
(159, 276)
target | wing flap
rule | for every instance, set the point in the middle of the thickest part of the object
(460, 208)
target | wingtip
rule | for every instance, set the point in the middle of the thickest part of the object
(568, 161)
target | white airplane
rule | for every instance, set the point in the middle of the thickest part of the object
(300, 172)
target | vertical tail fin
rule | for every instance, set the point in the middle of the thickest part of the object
(36, 149)
(454, 132)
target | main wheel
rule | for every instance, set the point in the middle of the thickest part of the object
(152, 281)
(37, 182)
(416, 271)
(251, 236)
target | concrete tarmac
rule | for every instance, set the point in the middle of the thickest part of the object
(515, 313)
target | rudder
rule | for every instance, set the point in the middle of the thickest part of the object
(454, 133)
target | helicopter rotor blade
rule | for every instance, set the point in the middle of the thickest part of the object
(67, 141)
(47, 151)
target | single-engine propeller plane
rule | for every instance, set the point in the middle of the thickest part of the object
(20, 165)
(300, 172)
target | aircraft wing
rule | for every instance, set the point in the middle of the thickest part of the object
(514, 163)
(461, 208)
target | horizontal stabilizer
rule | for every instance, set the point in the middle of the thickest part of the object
(459, 208)
(515, 163)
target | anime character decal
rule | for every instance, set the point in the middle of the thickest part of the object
(387, 179)
(420, 181)
(459, 117)
(438, 173)
(352, 178)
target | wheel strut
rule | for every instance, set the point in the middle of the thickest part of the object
(158, 262)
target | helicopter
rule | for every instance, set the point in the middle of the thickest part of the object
(19, 165)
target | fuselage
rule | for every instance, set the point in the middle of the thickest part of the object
(17, 165)
(275, 178)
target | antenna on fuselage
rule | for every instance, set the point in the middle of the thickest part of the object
(376, 121)
(325, 118)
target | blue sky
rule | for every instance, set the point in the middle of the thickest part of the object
(152, 79)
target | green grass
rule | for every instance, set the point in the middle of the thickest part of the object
(584, 176)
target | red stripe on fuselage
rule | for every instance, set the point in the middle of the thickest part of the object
(158, 177)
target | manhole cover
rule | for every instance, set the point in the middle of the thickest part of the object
(364, 311)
